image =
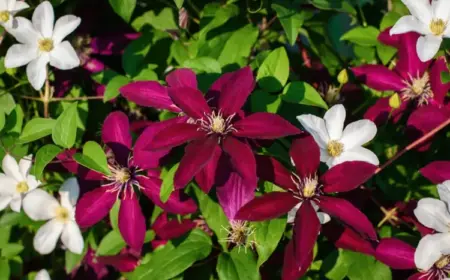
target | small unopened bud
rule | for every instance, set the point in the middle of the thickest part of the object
(343, 77)
(395, 101)
(183, 18)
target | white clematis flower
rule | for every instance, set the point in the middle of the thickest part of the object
(8, 8)
(433, 252)
(42, 275)
(16, 182)
(338, 145)
(430, 20)
(323, 217)
(42, 43)
(40, 206)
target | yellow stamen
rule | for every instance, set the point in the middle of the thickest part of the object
(45, 45)
(438, 26)
(22, 187)
(123, 175)
(62, 214)
(4, 16)
(309, 188)
(442, 262)
(335, 148)
(218, 124)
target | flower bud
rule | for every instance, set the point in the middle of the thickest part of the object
(343, 77)
(395, 101)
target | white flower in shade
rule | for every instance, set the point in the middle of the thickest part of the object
(323, 217)
(42, 43)
(430, 20)
(16, 182)
(338, 145)
(42, 275)
(433, 252)
(8, 8)
(41, 206)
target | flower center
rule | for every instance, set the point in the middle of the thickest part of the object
(240, 233)
(308, 188)
(122, 175)
(438, 26)
(335, 148)
(4, 16)
(45, 45)
(216, 123)
(22, 187)
(442, 262)
(418, 88)
(62, 214)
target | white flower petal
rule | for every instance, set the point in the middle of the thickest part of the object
(39, 205)
(421, 9)
(24, 32)
(356, 154)
(9, 4)
(358, 133)
(430, 249)
(42, 275)
(334, 121)
(293, 212)
(64, 57)
(323, 217)
(37, 71)
(441, 9)
(444, 192)
(71, 238)
(407, 24)
(25, 165)
(69, 192)
(19, 6)
(427, 47)
(7, 185)
(316, 127)
(324, 156)
(64, 26)
(16, 203)
(3, 5)
(32, 182)
(47, 236)
(433, 213)
(43, 19)
(4, 201)
(11, 168)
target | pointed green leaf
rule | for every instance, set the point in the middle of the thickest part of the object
(111, 244)
(114, 215)
(64, 132)
(11, 250)
(37, 128)
(167, 183)
(124, 8)
(274, 72)
(290, 20)
(43, 157)
(112, 88)
(267, 236)
(237, 265)
(363, 36)
(93, 157)
(303, 93)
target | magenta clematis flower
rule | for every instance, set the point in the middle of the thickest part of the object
(127, 176)
(418, 84)
(166, 229)
(307, 191)
(214, 125)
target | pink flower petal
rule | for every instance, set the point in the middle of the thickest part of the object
(268, 206)
(292, 269)
(380, 111)
(94, 206)
(149, 94)
(395, 253)
(439, 89)
(242, 159)
(269, 169)
(114, 44)
(437, 171)
(123, 263)
(182, 77)
(305, 154)
(389, 40)
(347, 213)
(346, 238)
(378, 77)
(235, 91)
(214, 91)
(191, 101)
(176, 135)
(197, 154)
(207, 176)
(167, 230)
(116, 134)
(132, 221)
(178, 202)
(418, 276)
(264, 126)
(408, 63)
(347, 176)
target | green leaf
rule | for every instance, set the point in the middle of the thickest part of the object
(267, 236)
(237, 265)
(37, 128)
(124, 8)
(389, 19)
(93, 157)
(338, 5)
(9, 219)
(4, 269)
(238, 47)
(274, 72)
(179, 3)
(385, 53)
(2, 120)
(7, 103)
(111, 244)
(445, 77)
(263, 101)
(64, 132)
(214, 216)
(133, 58)
(72, 260)
(290, 20)
(149, 235)
(165, 20)
(5, 233)
(43, 157)
(112, 88)
(303, 93)
(363, 36)
(167, 183)
(11, 250)
(114, 215)
(203, 64)
(14, 121)
(171, 260)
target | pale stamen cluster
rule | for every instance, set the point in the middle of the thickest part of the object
(308, 188)
(418, 89)
(240, 234)
(122, 178)
(440, 270)
(215, 123)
